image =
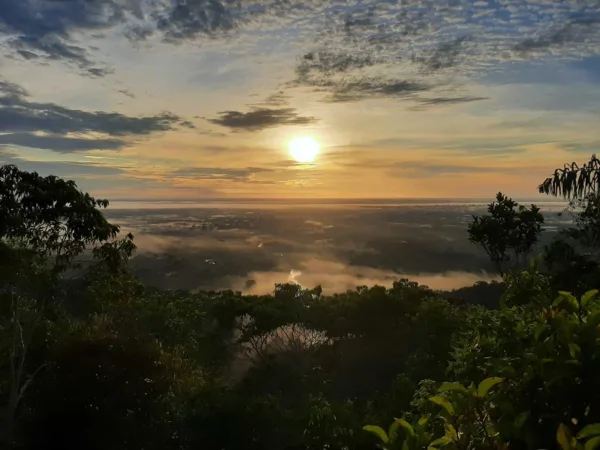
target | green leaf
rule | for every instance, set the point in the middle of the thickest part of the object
(589, 431)
(567, 301)
(444, 440)
(443, 403)
(451, 431)
(491, 429)
(452, 386)
(407, 426)
(487, 384)
(423, 420)
(592, 444)
(563, 437)
(377, 431)
(405, 445)
(393, 431)
(589, 295)
(574, 350)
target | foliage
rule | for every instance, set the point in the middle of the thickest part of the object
(508, 233)
(528, 288)
(573, 257)
(100, 383)
(573, 181)
(101, 361)
(50, 215)
(114, 255)
(550, 381)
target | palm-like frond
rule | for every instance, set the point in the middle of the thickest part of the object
(573, 181)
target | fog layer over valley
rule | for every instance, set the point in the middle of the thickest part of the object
(250, 247)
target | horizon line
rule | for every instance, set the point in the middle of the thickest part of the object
(548, 199)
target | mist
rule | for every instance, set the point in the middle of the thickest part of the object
(250, 249)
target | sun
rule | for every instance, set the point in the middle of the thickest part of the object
(304, 149)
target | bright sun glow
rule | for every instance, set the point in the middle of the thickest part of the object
(304, 150)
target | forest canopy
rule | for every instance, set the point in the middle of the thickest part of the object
(93, 359)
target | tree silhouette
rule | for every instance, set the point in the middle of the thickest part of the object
(508, 233)
(50, 215)
(573, 181)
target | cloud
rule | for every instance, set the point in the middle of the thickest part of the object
(59, 143)
(43, 29)
(207, 173)
(488, 145)
(126, 93)
(329, 62)
(60, 168)
(188, 19)
(11, 91)
(22, 120)
(348, 88)
(374, 87)
(430, 41)
(339, 72)
(447, 100)
(571, 31)
(444, 56)
(589, 147)
(432, 169)
(260, 118)
(345, 73)
(440, 44)
(53, 48)
(277, 99)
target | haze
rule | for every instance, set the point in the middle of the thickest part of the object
(338, 245)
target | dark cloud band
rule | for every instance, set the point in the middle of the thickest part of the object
(22, 122)
(260, 118)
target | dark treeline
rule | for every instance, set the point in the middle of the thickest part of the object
(94, 360)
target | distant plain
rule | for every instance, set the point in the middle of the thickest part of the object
(250, 246)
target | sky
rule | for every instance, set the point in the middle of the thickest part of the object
(184, 100)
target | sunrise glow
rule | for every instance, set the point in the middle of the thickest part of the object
(304, 150)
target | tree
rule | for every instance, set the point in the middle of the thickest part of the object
(545, 361)
(508, 233)
(45, 222)
(573, 256)
(573, 181)
(114, 255)
(102, 392)
(50, 215)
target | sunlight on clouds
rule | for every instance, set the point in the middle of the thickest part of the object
(414, 99)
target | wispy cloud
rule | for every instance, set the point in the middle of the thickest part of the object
(60, 168)
(210, 173)
(432, 169)
(59, 143)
